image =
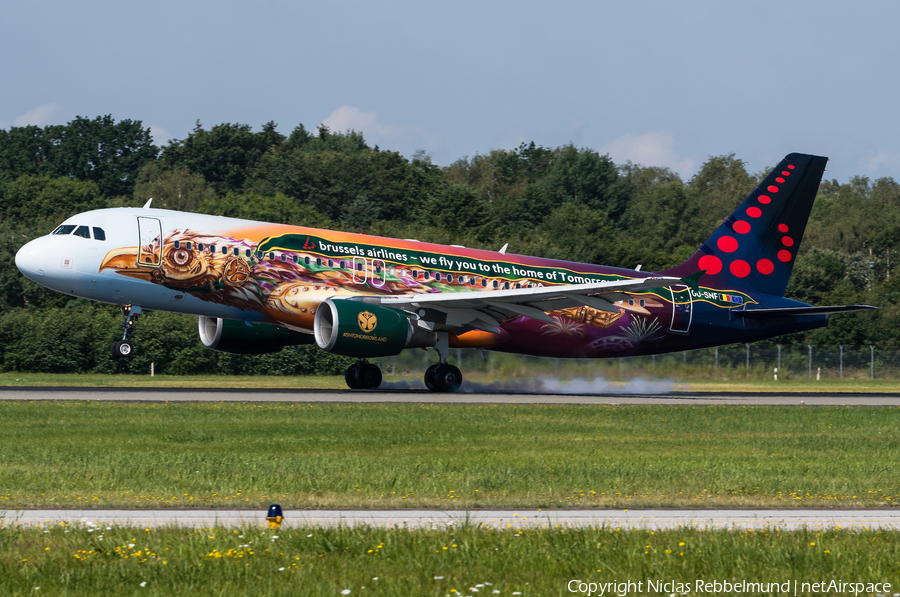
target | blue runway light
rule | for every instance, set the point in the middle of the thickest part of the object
(274, 516)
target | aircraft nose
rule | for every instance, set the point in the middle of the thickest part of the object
(29, 260)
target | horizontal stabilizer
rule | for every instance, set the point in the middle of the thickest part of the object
(800, 311)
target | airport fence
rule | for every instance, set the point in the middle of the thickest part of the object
(751, 361)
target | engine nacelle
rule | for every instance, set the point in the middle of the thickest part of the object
(236, 337)
(355, 329)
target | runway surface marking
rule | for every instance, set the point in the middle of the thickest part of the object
(414, 396)
(655, 519)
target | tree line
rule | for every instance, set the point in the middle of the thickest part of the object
(565, 202)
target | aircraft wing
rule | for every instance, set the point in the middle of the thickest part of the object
(482, 309)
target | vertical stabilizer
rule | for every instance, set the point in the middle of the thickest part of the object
(757, 244)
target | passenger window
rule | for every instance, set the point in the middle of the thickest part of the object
(319, 261)
(212, 248)
(484, 282)
(65, 229)
(295, 259)
(359, 266)
(631, 302)
(177, 242)
(283, 257)
(642, 302)
(199, 246)
(506, 286)
(437, 276)
(518, 285)
(427, 275)
(415, 274)
(331, 263)
(83, 232)
(496, 284)
(237, 252)
(247, 253)
(225, 250)
(306, 260)
(99, 234)
(187, 245)
(271, 256)
(259, 255)
(450, 278)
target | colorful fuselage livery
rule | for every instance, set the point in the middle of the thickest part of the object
(258, 287)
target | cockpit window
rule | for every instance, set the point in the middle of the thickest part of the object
(99, 234)
(64, 229)
(83, 232)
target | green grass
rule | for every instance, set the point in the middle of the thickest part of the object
(64, 560)
(98, 454)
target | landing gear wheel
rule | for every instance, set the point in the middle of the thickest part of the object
(447, 378)
(368, 376)
(121, 349)
(350, 376)
(429, 377)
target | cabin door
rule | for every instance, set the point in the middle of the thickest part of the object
(150, 242)
(682, 312)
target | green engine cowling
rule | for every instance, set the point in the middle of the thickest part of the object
(236, 337)
(355, 329)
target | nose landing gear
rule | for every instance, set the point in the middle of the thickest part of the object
(122, 348)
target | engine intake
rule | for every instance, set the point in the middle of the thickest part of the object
(355, 329)
(237, 337)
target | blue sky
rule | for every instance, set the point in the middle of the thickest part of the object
(658, 83)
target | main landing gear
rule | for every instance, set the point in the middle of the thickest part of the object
(440, 377)
(363, 375)
(122, 348)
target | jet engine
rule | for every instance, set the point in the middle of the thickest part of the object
(356, 329)
(240, 337)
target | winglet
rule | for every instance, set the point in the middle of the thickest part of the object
(693, 281)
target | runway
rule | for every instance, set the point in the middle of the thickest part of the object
(655, 519)
(423, 396)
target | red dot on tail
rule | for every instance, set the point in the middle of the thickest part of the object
(764, 266)
(754, 212)
(779, 180)
(711, 263)
(765, 199)
(785, 173)
(740, 268)
(727, 244)
(784, 255)
(741, 227)
(787, 241)
(791, 167)
(772, 188)
(782, 228)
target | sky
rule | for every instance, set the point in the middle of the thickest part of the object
(659, 83)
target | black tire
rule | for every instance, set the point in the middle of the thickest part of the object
(447, 378)
(121, 349)
(350, 376)
(429, 377)
(368, 376)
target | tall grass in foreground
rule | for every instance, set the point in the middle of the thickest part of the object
(94, 454)
(463, 561)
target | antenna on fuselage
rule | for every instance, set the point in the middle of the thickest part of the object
(503, 249)
(149, 201)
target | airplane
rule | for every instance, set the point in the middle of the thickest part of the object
(258, 287)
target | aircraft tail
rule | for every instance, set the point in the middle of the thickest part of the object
(757, 244)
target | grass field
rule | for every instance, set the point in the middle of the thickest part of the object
(93, 454)
(66, 560)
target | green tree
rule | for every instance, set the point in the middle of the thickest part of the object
(178, 188)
